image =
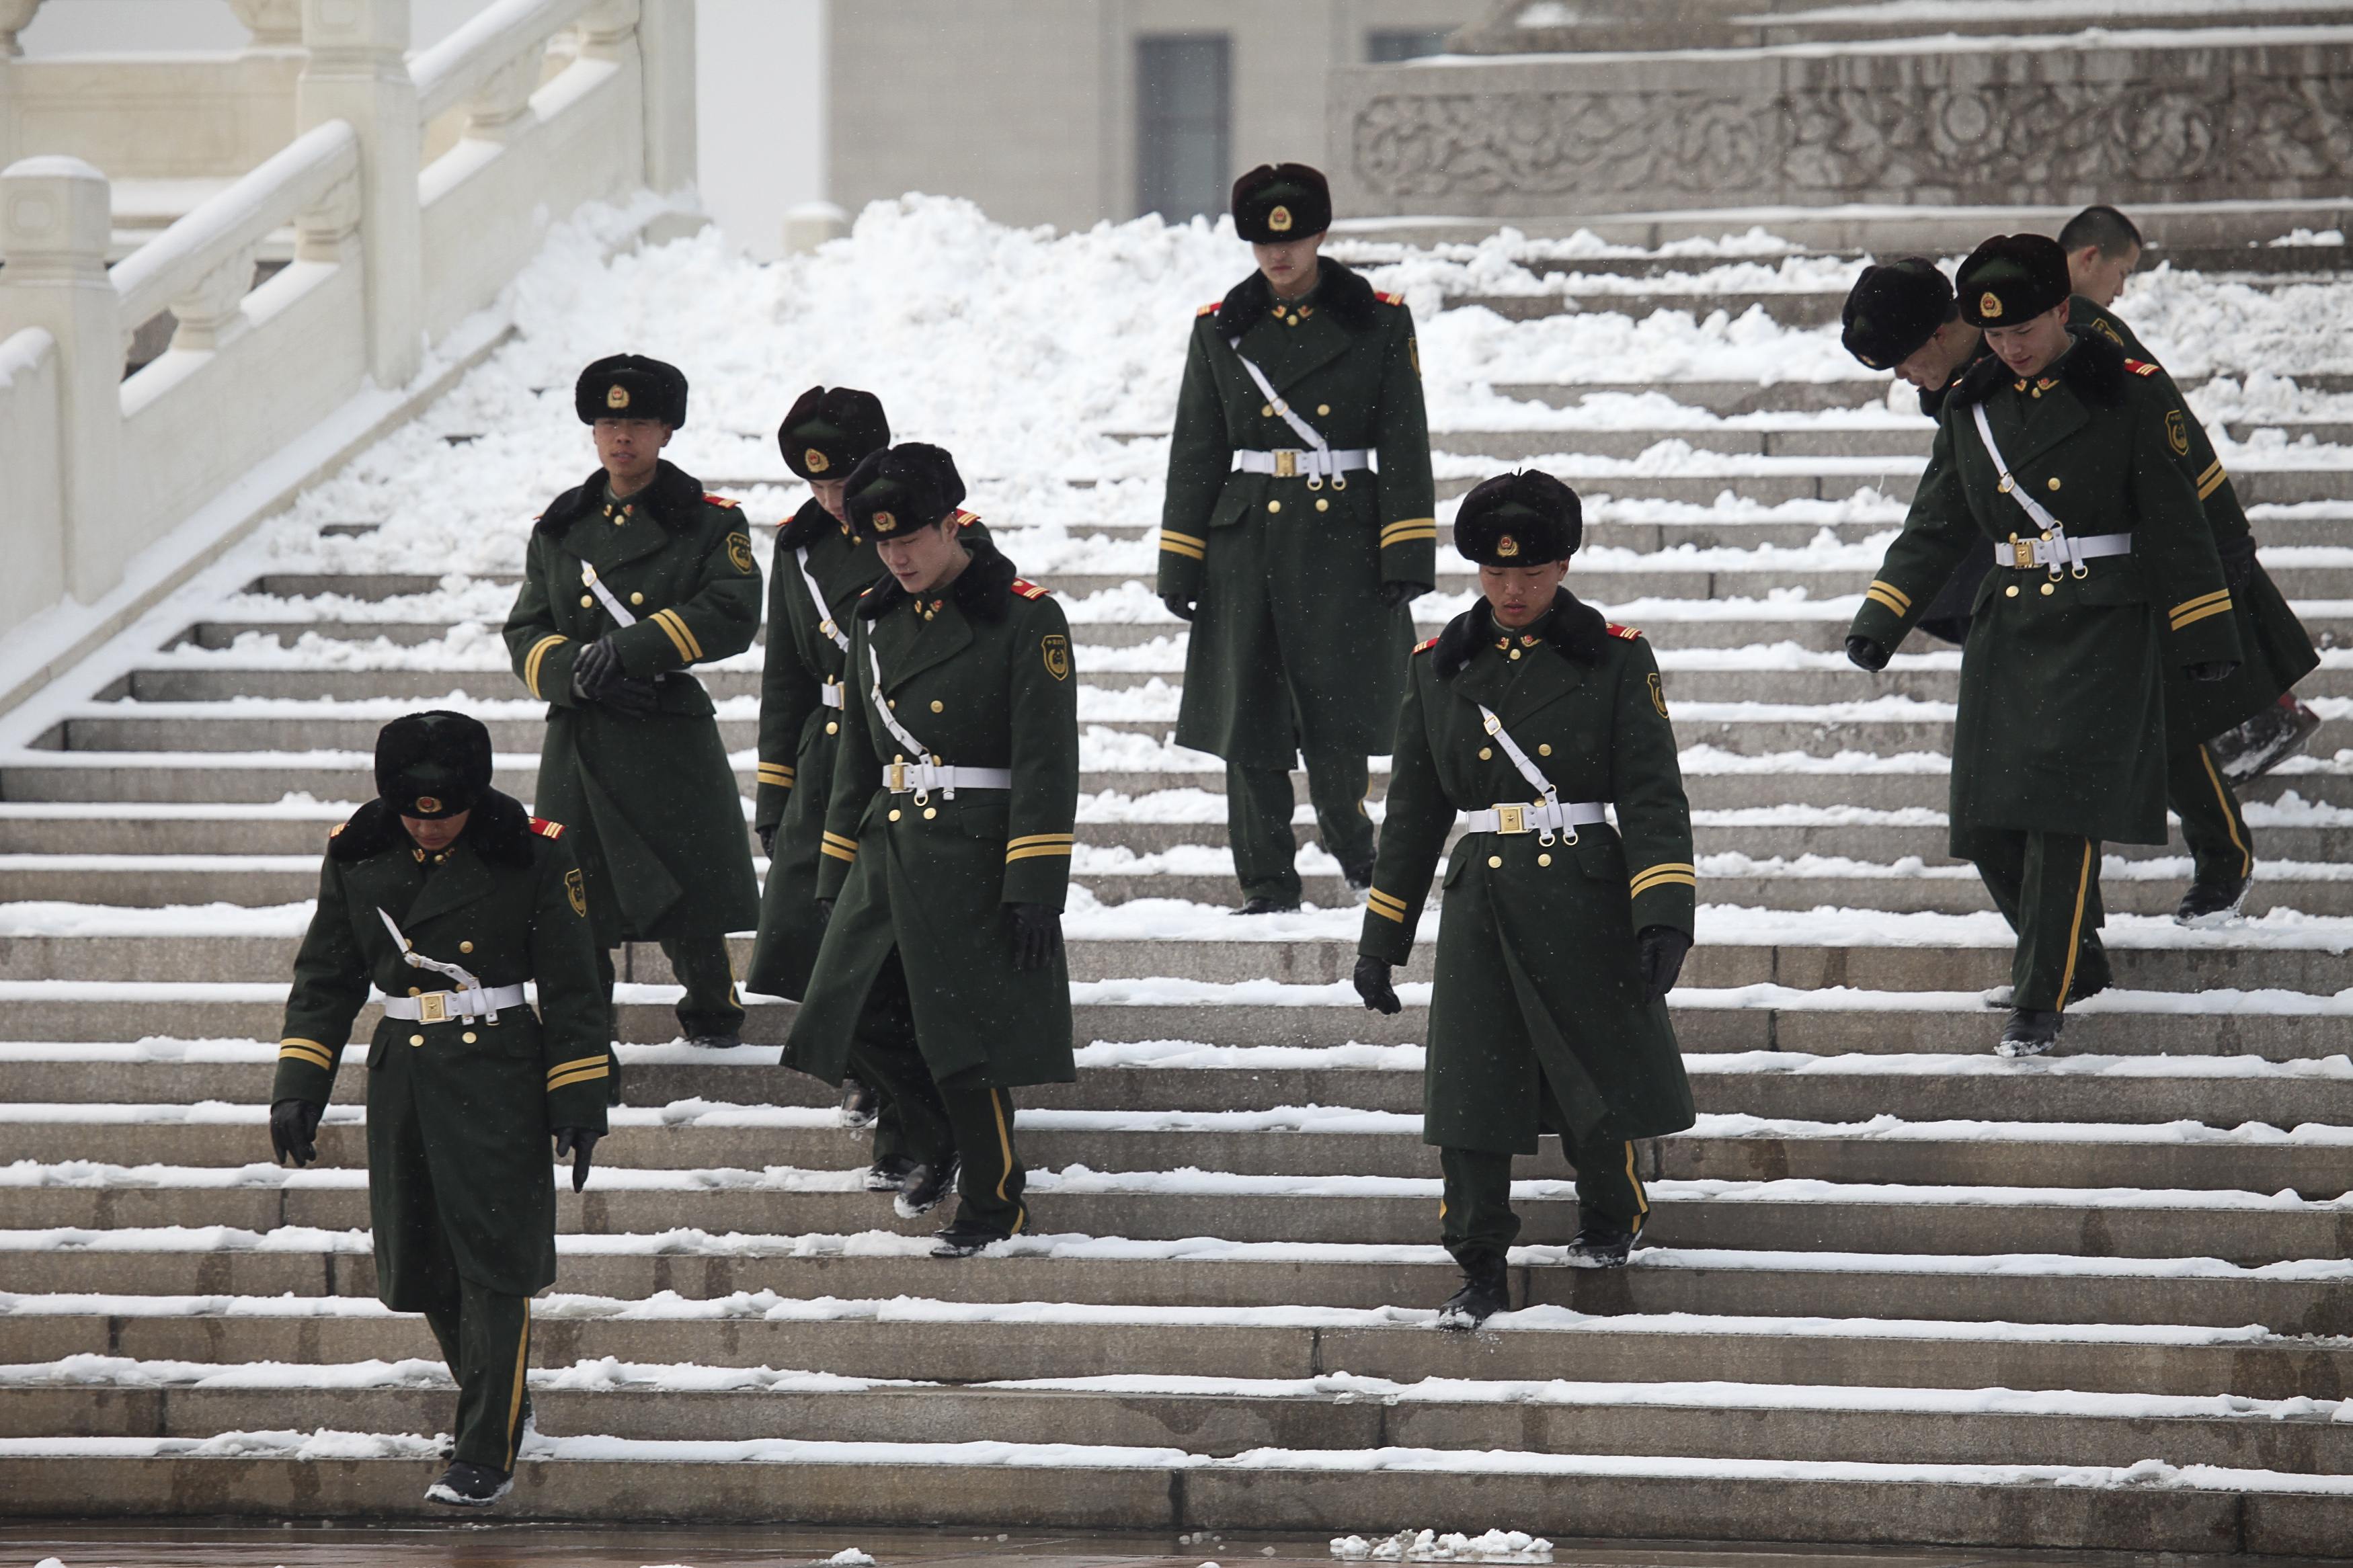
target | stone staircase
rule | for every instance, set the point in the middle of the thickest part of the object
(1896, 1289)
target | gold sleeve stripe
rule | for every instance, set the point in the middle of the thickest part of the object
(532, 661)
(1902, 600)
(1041, 838)
(1669, 873)
(680, 634)
(837, 851)
(310, 1051)
(1876, 597)
(2209, 486)
(2194, 616)
(1387, 904)
(2203, 599)
(1407, 530)
(775, 773)
(584, 1075)
(577, 1063)
(1184, 544)
(838, 838)
(1036, 851)
(1387, 913)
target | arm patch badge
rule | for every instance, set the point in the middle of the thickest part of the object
(1658, 695)
(739, 550)
(577, 891)
(2176, 433)
(1056, 649)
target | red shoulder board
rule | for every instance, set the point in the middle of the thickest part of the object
(545, 828)
(1627, 632)
(718, 501)
(1388, 299)
(966, 519)
(2142, 367)
(1209, 310)
(1030, 590)
(1426, 645)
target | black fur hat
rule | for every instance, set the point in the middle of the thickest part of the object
(630, 386)
(430, 764)
(1278, 202)
(911, 485)
(829, 432)
(1523, 518)
(1892, 311)
(2012, 278)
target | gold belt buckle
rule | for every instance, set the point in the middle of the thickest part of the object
(1511, 819)
(2023, 551)
(894, 777)
(1286, 465)
(433, 1008)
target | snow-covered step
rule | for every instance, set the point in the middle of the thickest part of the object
(1218, 1417)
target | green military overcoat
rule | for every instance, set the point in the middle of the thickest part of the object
(800, 728)
(1290, 645)
(2061, 722)
(2279, 651)
(459, 1112)
(981, 675)
(651, 803)
(1536, 954)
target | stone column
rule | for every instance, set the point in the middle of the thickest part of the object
(14, 15)
(56, 216)
(665, 50)
(356, 72)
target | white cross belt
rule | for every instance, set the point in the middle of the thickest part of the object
(904, 778)
(1291, 463)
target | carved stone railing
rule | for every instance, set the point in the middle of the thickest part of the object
(119, 486)
(2120, 117)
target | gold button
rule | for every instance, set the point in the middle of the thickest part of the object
(2049, 589)
(469, 1036)
(1323, 408)
(416, 991)
(636, 598)
(586, 600)
(416, 1039)
(1515, 653)
(465, 947)
(2046, 536)
(831, 727)
(1544, 749)
(894, 816)
(1275, 506)
(894, 702)
(1544, 860)
(1323, 505)
(2054, 481)
(938, 706)
(1486, 753)
(930, 812)
(1494, 861)
(2010, 592)
(899, 759)
(1266, 410)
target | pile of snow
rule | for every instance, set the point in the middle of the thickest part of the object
(1429, 1546)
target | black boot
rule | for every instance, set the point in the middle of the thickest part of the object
(964, 1237)
(1263, 905)
(2031, 1032)
(889, 1174)
(1359, 879)
(2210, 904)
(470, 1486)
(858, 1104)
(727, 1042)
(925, 1187)
(1599, 1243)
(1486, 1290)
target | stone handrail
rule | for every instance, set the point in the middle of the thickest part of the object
(511, 34)
(211, 251)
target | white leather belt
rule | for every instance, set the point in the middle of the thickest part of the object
(1532, 817)
(901, 778)
(441, 1006)
(2065, 550)
(1291, 463)
(830, 693)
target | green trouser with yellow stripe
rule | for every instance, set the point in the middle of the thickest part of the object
(710, 1006)
(1259, 804)
(963, 1117)
(485, 1338)
(2047, 886)
(2212, 825)
(1475, 1215)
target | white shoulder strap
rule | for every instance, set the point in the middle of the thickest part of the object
(2009, 485)
(817, 600)
(1307, 433)
(883, 711)
(606, 596)
(1520, 759)
(416, 959)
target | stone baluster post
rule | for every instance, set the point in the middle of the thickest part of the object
(356, 72)
(663, 34)
(56, 216)
(14, 16)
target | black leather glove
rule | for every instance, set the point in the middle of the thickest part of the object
(824, 913)
(293, 1131)
(599, 666)
(631, 697)
(1178, 605)
(1373, 985)
(2238, 561)
(577, 1142)
(1661, 950)
(1036, 934)
(769, 841)
(1396, 594)
(1865, 654)
(2212, 670)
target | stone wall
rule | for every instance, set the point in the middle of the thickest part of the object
(2173, 117)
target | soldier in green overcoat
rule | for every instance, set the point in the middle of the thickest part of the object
(1905, 315)
(947, 848)
(630, 579)
(1560, 934)
(448, 897)
(2057, 457)
(1294, 556)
